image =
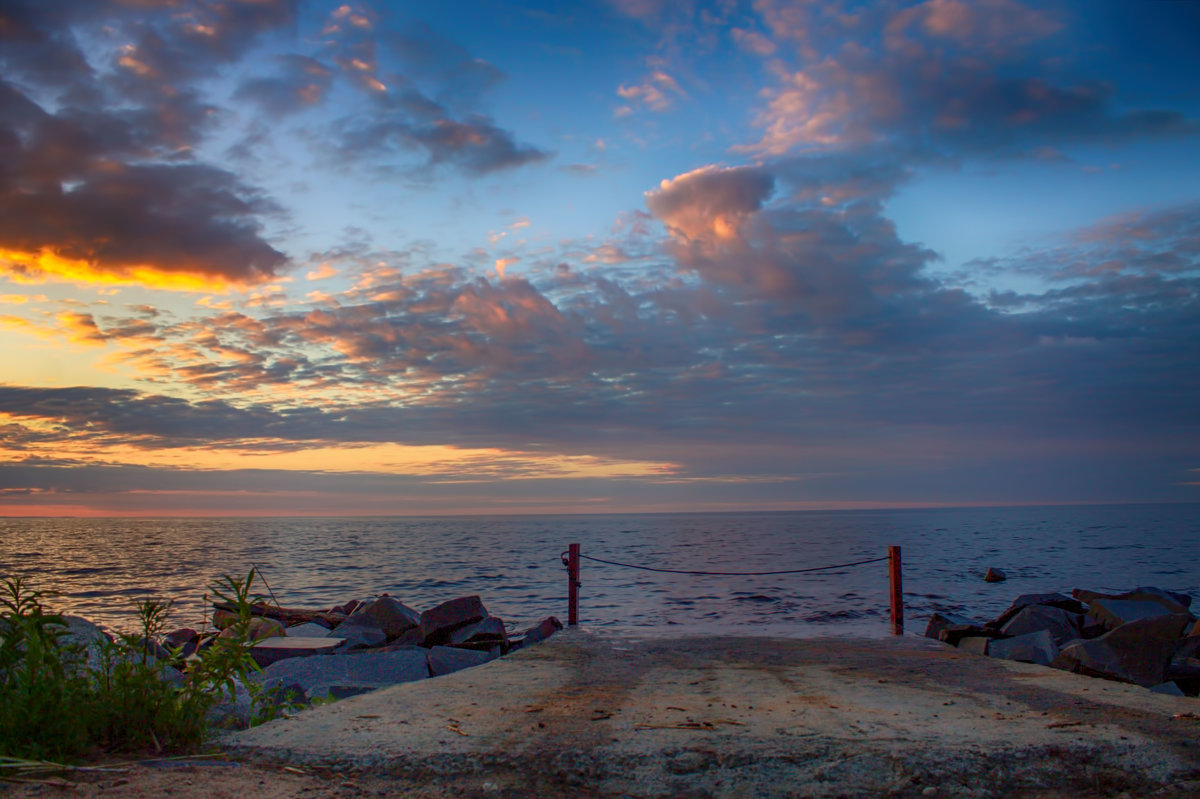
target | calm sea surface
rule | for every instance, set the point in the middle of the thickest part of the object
(100, 566)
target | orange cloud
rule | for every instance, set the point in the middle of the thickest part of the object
(45, 265)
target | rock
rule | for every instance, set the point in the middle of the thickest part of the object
(345, 609)
(341, 675)
(1033, 647)
(541, 631)
(1112, 613)
(233, 710)
(309, 629)
(1168, 688)
(1195, 631)
(437, 623)
(1172, 600)
(954, 633)
(258, 628)
(975, 644)
(393, 617)
(1061, 625)
(1061, 601)
(1184, 668)
(272, 650)
(89, 638)
(221, 619)
(445, 659)
(186, 641)
(483, 634)
(154, 649)
(940, 621)
(1136, 652)
(994, 576)
(358, 635)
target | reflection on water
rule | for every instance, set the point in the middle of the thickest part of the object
(100, 566)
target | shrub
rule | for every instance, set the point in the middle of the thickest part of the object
(54, 704)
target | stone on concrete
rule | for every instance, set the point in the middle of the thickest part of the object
(310, 629)
(445, 659)
(995, 576)
(976, 644)
(1136, 652)
(1112, 613)
(333, 675)
(1033, 647)
(541, 631)
(387, 614)
(1169, 688)
(437, 623)
(953, 633)
(1062, 625)
(271, 650)
(940, 621)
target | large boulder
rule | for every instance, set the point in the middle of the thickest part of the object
(259, 627)
(940, 621)
(483, 634)
(359, 635)
(1060, 601)
(994, 575)
(1033, 647)
(955, 633)
(1112, 613)
(338, 675)
(445, 659)
(1137, 652)
(88, 641)
(1061, 625)
(437, 623)
(1172, 600)
(389, 615)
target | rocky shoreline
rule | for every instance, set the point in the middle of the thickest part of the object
(315, 656)
(1146, 636)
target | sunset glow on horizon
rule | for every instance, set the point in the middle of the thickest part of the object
(282, 257)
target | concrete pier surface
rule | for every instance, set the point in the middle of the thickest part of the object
(593, 714)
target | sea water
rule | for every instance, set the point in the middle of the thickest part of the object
(100, 567)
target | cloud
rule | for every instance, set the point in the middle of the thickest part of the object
(303, 83)
(952, 76)
(658, 91)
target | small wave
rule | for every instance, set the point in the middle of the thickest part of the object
(755, 598)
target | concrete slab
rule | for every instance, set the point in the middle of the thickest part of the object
(272, 650)
(757, 716)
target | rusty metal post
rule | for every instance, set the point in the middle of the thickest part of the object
(573, 587)
(897, 586)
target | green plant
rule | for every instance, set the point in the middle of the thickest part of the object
(54, 704)
(40, 693)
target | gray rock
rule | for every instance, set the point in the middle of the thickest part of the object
(1169, 688)
(994, 576)
(233, 710)
(1136, 652)
(437, 623)
(1034, 647)
(88, 638)
(975, 644)
(541, 631)
(1172, 600)
(954, 633)
(309, 629)
(940, 621)
(387, 614)
(483, 634)
(1062, 625)
(1112, 613)
(1061, 601)
(271, 650)
(445, 659)
(357, 635)
(334, 675)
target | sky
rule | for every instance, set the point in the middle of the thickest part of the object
(278, 257)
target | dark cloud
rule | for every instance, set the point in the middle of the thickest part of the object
(302, 83)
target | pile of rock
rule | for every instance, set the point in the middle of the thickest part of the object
(361, 646)
(1145, 636)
